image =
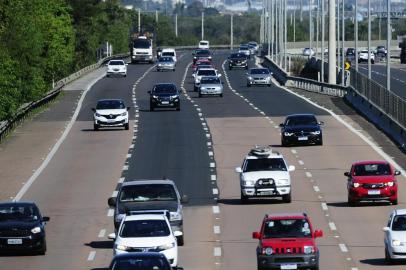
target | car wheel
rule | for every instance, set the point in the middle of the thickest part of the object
(194, 88)
(246, 67)
(180, 240)
(173, 70)
(269, 85)
(243, 199)
(178, 108)
(388, 259)
(284, 143)
(394, 202)
(96, 127)
(151, 107)
(248, 85)
(287, 198)
(43, 248)
(127, 126)
(260, 267)
(372, 61)
(320, 142)
(351, 202)
(200, 94)
(221, 95)
(158, 70)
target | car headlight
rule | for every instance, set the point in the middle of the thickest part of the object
(159, 65)
(166, 246)
(317, 132)
(248, 182)
(97, 114)
(249, 78)
(287, 134)
(209, 57)
(308, 249)
(267, 251)
(390, 184)
(283, 182)
(154, 96)
(175, 216)
(123, 114)
(36, 230)
(396, 243)
(122, 247)
(355, 185)
(174, 97)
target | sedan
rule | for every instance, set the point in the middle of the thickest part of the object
(237, 60)
(165, 63)
(210, 85)
(116, 67)
(110, 113)
(395, 236)
(301, 128)
(259, 76)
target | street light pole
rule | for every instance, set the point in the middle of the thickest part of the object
(285, 48)
(342, 43)
(176, 24)
(232, 31)
(356, 35)
(369, 40)
(317, 26)
(332, 79)
(322, 39)
(388, 39)
(139, 20)
(310, 26)
(203, 25)
(338, 36)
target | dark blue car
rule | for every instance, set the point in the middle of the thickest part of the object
(301, 129)
(141, 261)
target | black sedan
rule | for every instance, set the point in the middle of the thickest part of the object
(141, 261)
(164, 95)
(237, 60)
(22, 228)
(301, 129)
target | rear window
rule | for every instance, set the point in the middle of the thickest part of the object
(168, 54)
(300, 120)
(206, 72)
(265, 164)
(116, 63)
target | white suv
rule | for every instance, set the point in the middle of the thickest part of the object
(116, 67)
(264, 173)
(110, 113)
(146, 231)
(395, 236)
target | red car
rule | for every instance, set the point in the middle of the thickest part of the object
(287, 241)
(201, 62)
(372, 181)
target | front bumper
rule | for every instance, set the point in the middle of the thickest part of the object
(165, 103)
(211, 91)
(118, 121)
(261, 81)
(171, 254)
(361, 193)
(279, 261)
(166, 67)
(276, 191)
(142, 57)
(302, 139)
(238, 64)
(29, 243)
(116, 72)
(398, 252)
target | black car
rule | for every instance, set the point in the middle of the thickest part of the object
(22, 228)
(141, 261)
(164, 95)
(201, 54)
(301, 129)
(237, 60)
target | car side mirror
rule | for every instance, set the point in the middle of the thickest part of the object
(112, 201)
(177, 233)
(93, 109)
(111, 236)
(291, 168)
(321, 123)
(238, 170)
(256, 235)
(45, 219)
(184, 199)
(386, 229)
(347, 174)
(397, 172)
(318, 233)
(128, 108)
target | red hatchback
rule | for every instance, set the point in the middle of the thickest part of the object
(372, 181)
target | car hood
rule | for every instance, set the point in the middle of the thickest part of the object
(287, 242)
(145, 241)
(373, 179)
(172, 206)
(399, 235)
(305, 128)
(108, 112)
(260, 75)
(238, 59)
(266, 174)
(11, 224)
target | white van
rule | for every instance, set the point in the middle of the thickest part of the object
(169, 52)
(204, 44)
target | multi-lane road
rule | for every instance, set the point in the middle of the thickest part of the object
(199, 147)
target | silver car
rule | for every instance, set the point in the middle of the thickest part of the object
(165, 63)
(259, 76)
(211, 85)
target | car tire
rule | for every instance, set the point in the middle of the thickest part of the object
(287, 198)
(43, 248)
(221, 95)
(372, 61)
(96, 127)
(180, 240)
(127, 126)
(246, 67)
(194, 88)
(388, 259)
(394, 202)
(351, 202)
(260, 267)
(243, 199)
(248, 85)
(320, 142)
(200, 95)
(316, 267)
(158, 70)
(173, 70)
(178, 108)
(151, 107)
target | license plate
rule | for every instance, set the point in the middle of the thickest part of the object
(374, 192)
(303, 138)
(289, 266)
(268, 192)
(165, 102)
(14, 241)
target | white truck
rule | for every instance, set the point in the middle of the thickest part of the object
(141, 50)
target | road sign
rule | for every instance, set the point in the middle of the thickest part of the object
(347, 65)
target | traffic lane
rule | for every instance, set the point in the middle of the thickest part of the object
(73, 189)
(171, 144)
(232, 139)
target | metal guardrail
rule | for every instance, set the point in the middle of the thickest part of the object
(25, 110)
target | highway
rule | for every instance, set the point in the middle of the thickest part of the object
(199, 147)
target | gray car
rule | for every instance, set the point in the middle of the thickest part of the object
(210, 85)
(165, 63)
(259, 76)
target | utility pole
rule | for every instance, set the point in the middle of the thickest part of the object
(317, 26)
(310, 27)
(176, 24)
(322, 39)
(285, 48)
(380, 12)
(369, 40)
(356, 35)
(280, 33)
(139, 20)
(294, 22)
(388, 39)
(156, 16)
(276, 32)
(342, 43)
(203, 25)
(338, 52)
(272, 28)
(301, 10)
(332, 42)
(269, 27)
(232, 31)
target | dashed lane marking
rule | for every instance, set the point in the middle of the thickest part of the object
(316, 188)
(91, 256)
(343, 247)
(332, 226)
(102, 233)
(217, 252)
(324, 206)
(308, 174)
(216, 229)
(213, 177)
(121, 180)
(301, 162)
(110, 213)
(216, 209)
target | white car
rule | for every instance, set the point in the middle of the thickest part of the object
(116, 67)
(110, 113)
(265, 173)
(308, 52)
(395, 236)
(204, 72)
(204, 44)
(363, 56)
(170, 53)
(146, 231)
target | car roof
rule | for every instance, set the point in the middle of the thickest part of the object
(400, 211)
(286, 215)
(168, 50)
(144, 217)
(365, 162)
(147, 182)
(207, 69)
(17, 203)
(300, 114)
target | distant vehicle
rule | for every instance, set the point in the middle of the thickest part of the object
(165, 63)
(170, 52)
(244, 49)
(116, 67)
(265, 173)
(141, 261)
(204, 44)
(259, 76)
(363, 56)
(202, 62)
(110, 113)
(395, 236)
(237, 60)
(201, 54)
(255, 45)
(308, 52)
(350, 54)
(372, 181)
(164, 95)
(287, 241)
(22, 228)
(146, 231)
(141, 49)
(301, 129)
(204, 72)
(210, 85)
(151, 195)
(381, 51)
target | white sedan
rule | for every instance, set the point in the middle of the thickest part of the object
(116, 67)
(395, 236)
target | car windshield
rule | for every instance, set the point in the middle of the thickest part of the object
(372, 169)
(168, 54)
(237, 55)
(26, 212)
(165, 59)
(116, 63)
(141, 43)
(203, 43)
(144, 228)
(265, 164)
(399, 223)
(164, 89)
(202, 53)
(259, 71)
(286, 228)
(210, 80)
(206, 72)
(110, 105)
(145, 193)
(141, 263)
(301, 120)
(244, 48)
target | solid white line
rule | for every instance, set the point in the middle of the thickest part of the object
(102, 233)
(208, 143)
(210, 153)
(216, 209)
(213, 177)
(217, 252)
(208, 135)
(91, 256)
(308, 174)
(132, 146)
(343, 248)
(115, 192)
(332, 226)
(128, 155)
(316, 188)
(110, 213)
(55, 148)
(301, 162)
(121, 180)
(216, 229)
(324, 206)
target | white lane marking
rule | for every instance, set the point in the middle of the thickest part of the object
(308, 174)
(55, 148)
(343, 248)
(354, 268)
(208, 143)
(91, 256)
(132, 146)
(215, 191)
(301, 162)
(110, 213)
(216, 209)
(332, 226)
(125, 167)
(293, 151)
(121, 180)
(213, 177)
(324, 206)
(102, 233)
(129, 155)
(208, 135)
(216, 229)
(210, 153)
(212, 165)
(316, 188)
(114, 194)
(217, 252)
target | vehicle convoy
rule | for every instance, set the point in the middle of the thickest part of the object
(116, 67)
(395, 236)
(110, 113)
(261, 76)
(301, 129)
(372, 181)
(146, 231)
(22, 228)
(287, 241)
(265, 173)
(141, 261)
(164, 95)
(210, 85)
(237, 60)
(204, 72)
(141, 48)
(145, 195)
(165, 63)
(201, 54)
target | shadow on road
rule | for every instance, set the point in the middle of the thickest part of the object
(108, 244)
